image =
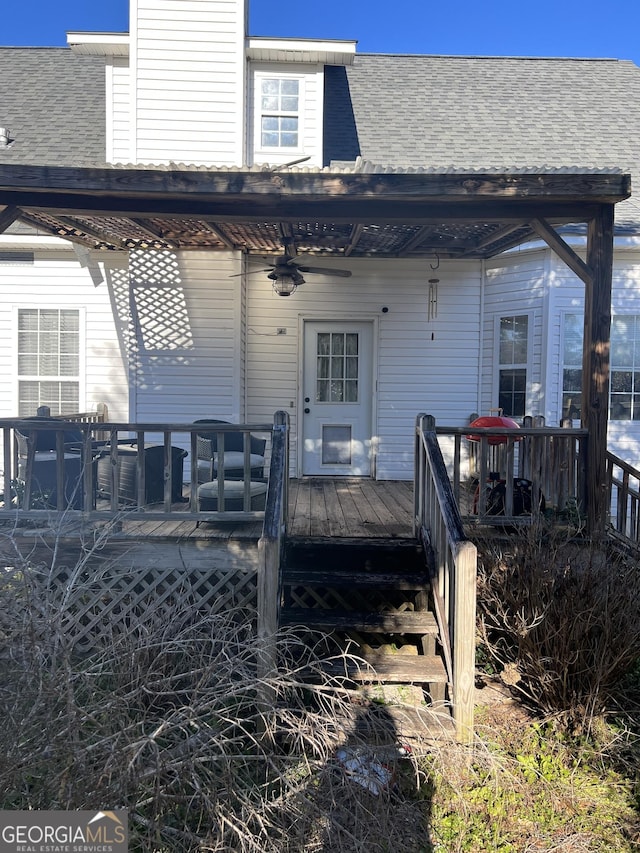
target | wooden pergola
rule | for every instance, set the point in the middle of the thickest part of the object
(356, 213)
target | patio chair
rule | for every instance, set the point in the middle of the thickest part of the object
(208, 456)
(37, 468)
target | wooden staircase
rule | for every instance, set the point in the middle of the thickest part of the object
(374, 595)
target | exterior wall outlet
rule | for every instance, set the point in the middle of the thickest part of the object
(281, 331)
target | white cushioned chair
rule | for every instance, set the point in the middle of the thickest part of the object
(209, 457)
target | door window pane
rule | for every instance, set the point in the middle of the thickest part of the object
(337, 374)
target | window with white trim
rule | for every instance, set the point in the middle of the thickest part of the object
(513, 350)
(624, 387)
(279, 113)
(624, 400)
(572, 333)
(48, 360)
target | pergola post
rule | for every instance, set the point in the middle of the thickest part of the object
(595, 363)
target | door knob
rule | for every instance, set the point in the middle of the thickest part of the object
(307, 410)
(307, 400)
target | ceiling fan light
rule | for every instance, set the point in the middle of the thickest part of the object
(284, 284)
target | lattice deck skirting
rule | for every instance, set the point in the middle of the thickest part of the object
(91, 608)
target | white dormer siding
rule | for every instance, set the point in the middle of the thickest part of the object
(188, 81)
(118, 110)
(307, 81)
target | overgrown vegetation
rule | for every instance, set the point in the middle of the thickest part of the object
(560, 620)
(170, 720)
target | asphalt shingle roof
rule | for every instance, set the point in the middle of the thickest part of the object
(485, 112)
(53, 104)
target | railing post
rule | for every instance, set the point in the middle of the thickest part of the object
(464, 649)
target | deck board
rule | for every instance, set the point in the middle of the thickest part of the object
(349, 507)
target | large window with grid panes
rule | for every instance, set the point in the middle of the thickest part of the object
(513, 356)
(624, 387)
(48, 360)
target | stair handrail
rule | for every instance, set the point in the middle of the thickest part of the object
(453, 560)
(271, 544)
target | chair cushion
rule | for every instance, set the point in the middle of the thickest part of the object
(233, 495)
(233, 466)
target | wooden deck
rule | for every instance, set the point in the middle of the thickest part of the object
(350, 508)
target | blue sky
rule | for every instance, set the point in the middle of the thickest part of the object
(481, 27)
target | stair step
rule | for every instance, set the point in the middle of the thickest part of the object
(387, 622)
(392, 668)
(329, 577)
(356, 555)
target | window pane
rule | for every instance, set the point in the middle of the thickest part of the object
(511, 392)
(621, 380)
(289, 87)
(323, 368)
(289, 140)
(337, 391)
(324, 343)
(337, 344)
(322, 391)
(622, 341)
(270, 86)
(352, 344)
(573, 331)
(351, 368)
(351, 391)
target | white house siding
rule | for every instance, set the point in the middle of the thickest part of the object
(188, 68)
(420, 365)
(311, 113)
(118, 110)
(185, 347)
(514, 284)
(57, 280)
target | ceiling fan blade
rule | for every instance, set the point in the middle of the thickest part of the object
(326, 271)
(250, 272)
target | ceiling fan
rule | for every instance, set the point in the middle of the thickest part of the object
(286, 274)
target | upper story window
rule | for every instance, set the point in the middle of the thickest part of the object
(48, 360)
(513, 349)
(279, 112)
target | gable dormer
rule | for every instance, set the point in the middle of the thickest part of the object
(286, 98)
(187, 85)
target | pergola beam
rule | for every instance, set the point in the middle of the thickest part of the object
(8, 216)
(562, 249)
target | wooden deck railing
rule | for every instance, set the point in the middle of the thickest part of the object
(137, 469)
(624, 499)
(453, 561)
(550, 460)
(271, 543)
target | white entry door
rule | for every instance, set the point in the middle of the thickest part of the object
(337, 398)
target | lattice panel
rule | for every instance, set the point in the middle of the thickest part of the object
(94, 607)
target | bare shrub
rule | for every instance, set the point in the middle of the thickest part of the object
(560, 618)
(168, 719)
